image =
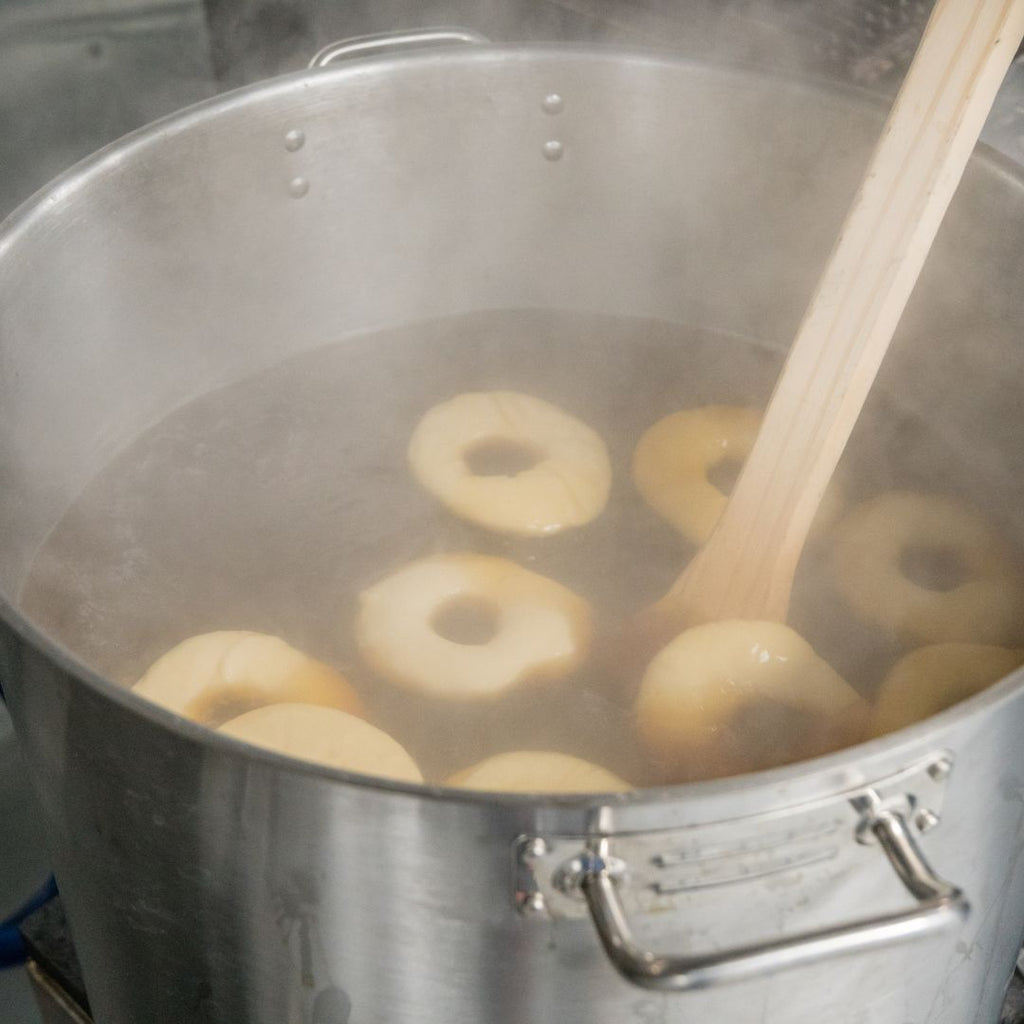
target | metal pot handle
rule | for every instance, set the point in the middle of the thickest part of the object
(384, 42)
(939, 904)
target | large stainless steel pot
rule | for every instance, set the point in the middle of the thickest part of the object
(205, 881)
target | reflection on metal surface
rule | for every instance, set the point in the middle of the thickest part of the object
(55, 1005)
(610, 870)
(393, 42)
(825, 835)
(940, 905)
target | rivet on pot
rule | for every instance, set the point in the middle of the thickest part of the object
(926, 819)
(940, 770)
(553, 150)
(532, 903)
(298, 187)
(294, 139)
(553, 103)
(534, 850)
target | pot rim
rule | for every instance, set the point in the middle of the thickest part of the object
(803, 780)
(41, 202)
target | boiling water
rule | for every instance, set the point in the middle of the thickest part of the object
(270, 504)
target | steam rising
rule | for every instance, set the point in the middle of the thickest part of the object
(868, 42)
(233, 370)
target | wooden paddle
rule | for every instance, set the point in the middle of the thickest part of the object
(746, 568)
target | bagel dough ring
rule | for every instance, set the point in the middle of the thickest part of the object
(204, 675)
(325, 736)
(931, 679)
(538, 771)
(567, 486)
(739, 695)
(540, 628)
(673, 458)
(985, 606)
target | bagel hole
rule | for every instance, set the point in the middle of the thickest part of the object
(767, 732)
(933, 566)
(472, 621)
(498, 456)
(724, 473)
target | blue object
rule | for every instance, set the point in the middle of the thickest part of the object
(12, 945)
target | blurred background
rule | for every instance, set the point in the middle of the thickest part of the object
(77, 74)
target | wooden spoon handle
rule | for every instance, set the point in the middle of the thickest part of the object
(746, 568)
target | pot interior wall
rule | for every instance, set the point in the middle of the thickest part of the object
(214, 247)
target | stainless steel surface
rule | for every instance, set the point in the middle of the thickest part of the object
(206, 882)
(662, 867)
(940, 906)
(388, 42)
(55, 1006)
(77, 74)
(650, 871)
